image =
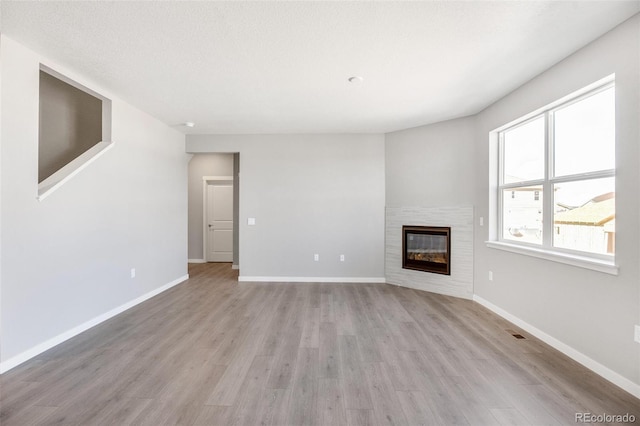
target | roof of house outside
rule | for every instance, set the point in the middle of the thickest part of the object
(595, 212)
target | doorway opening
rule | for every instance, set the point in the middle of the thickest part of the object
(211, 177)
(218, 218)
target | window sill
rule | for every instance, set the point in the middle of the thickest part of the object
(56, 180)
(568, 259)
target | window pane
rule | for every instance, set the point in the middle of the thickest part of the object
(584, 217)
(524, 152)
(585, 135)
(522, 214)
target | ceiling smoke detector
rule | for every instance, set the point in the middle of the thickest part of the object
(189, 124)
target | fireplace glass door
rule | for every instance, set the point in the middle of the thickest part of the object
(426, 249)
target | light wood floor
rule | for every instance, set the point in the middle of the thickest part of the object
(213, 351)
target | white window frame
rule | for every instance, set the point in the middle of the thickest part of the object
(546, 250)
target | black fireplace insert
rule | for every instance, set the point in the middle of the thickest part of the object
(427, 248)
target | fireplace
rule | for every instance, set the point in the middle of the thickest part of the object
(427, 248)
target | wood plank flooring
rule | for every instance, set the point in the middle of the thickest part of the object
(213, 351)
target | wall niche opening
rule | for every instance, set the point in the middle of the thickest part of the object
(74, 126)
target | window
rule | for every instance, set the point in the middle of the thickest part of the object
(557, 177)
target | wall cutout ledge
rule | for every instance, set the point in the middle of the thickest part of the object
(56, 180)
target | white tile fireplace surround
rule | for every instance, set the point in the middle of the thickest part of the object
(460, 219)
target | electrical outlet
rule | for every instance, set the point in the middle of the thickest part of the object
(342, 258)
(490, 275)
(636, 333)
(481, 221)
(133, 272)
(316, 257)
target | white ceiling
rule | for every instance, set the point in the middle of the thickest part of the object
(282, 67)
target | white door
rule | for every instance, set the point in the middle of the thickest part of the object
(220, 222)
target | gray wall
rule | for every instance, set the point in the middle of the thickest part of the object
(591, 313)
(70, 123)
(66, 260)
(431, 166)
(199, 166)
(309, 194)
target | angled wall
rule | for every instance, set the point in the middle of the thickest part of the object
(430, 181)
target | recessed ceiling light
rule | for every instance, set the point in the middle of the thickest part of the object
(355, 79)
(189, 124)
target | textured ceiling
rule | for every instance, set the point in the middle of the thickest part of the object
(282, 67)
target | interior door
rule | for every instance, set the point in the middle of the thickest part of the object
(220, 222)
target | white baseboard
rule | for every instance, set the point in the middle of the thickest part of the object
(596, 367)
(235, 266)
(313, 279)
(196, 261)
(48, 344)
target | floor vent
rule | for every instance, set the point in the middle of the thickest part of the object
(516, 334)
